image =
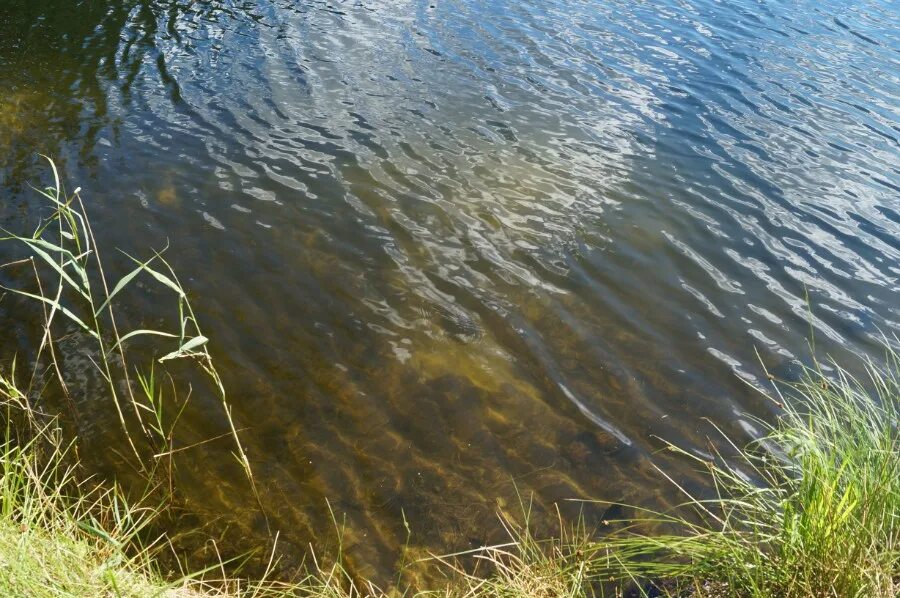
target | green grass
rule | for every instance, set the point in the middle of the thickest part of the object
(809, 510)
(59, 537)
(71, 286)
(812, 509)
(524, 567)
(65, 534)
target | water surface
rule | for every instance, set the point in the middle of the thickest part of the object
(453, 252)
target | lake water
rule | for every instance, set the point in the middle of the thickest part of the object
(452, 252)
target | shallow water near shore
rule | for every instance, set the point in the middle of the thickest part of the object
(454, 253)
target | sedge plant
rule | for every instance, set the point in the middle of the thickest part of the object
(71, 284)
(810, 510)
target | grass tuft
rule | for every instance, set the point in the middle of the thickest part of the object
(526, 566)
(811, 509)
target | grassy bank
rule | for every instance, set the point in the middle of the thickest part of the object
(809, 509)
(65, 534)
(58, 535)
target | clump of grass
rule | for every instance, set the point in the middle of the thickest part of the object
(61, 535)
(72, 286)
(811, 509)
(526, 566)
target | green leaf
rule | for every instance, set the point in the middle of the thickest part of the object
(46, 257)
(197, 341)
(123, 282)
(73, 259)
(56, 305)
(140, 332)
(159, 276)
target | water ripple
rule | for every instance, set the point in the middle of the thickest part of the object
(446, 243)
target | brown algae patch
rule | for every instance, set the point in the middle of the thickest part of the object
(166, 194)
(19, 113)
